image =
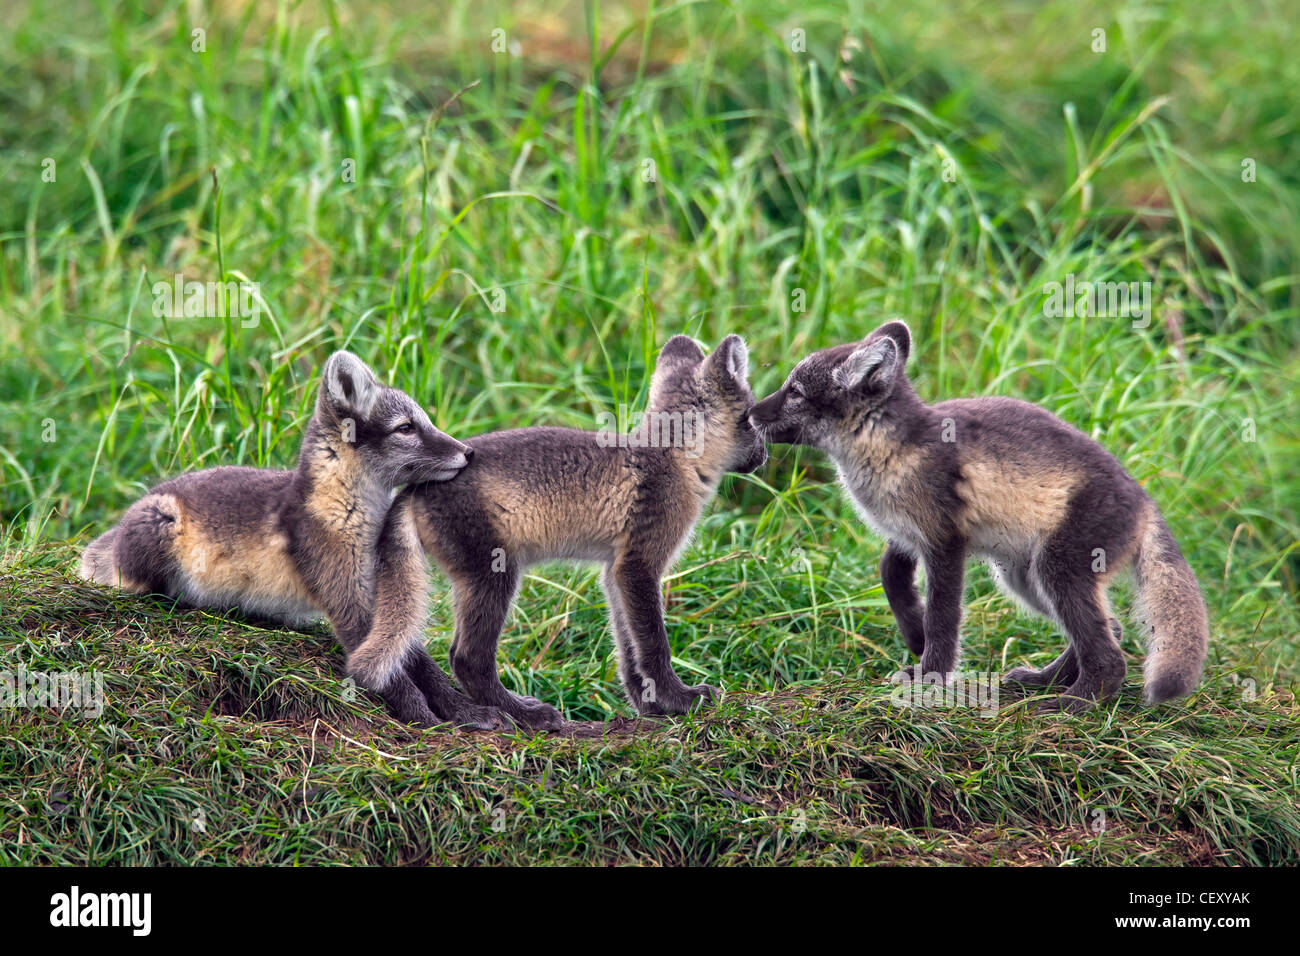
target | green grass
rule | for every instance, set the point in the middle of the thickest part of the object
(937, 162)
(247, 732)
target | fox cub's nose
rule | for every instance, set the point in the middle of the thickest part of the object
(462, 456)
(762, 411)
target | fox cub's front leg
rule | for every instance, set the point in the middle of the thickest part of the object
(633, 685)
(652, 685)
(945, 573)
(898, 577)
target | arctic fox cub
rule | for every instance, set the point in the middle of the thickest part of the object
(292, 546)
(542, 494)
(1051, 511)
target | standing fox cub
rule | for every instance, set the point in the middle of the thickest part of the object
(1050, 510)
(293, 545)
(542, 494)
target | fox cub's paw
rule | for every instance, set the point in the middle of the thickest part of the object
(703, 695)
(477, 717)
(681, 700)
(915, 674)
(529, 713)
(1027, 675)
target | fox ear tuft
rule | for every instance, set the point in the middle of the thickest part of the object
(350, 385)
(731, 359)
(873, 365)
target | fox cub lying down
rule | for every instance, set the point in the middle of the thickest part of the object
(1051, 511)
(543, 494)
(292, 546)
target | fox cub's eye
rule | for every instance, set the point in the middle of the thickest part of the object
(404, 429)
(796, 391)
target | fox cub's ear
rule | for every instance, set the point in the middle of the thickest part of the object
(731, 359)
(873, 365)
(680, 349)
(899, 332)
(350, 386)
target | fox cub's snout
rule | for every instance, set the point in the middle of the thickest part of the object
(392, 434)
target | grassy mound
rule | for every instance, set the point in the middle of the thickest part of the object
(221, 742)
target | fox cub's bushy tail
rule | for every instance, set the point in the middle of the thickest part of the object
(97, 561)
(1173, 610)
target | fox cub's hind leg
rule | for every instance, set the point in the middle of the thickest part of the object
(898, 577)
(652, 684)
(1062, 672)
(1076, 595)
(139, 554)
(446, 702)
(1014, 580)
(403, 568)
(482, 603)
